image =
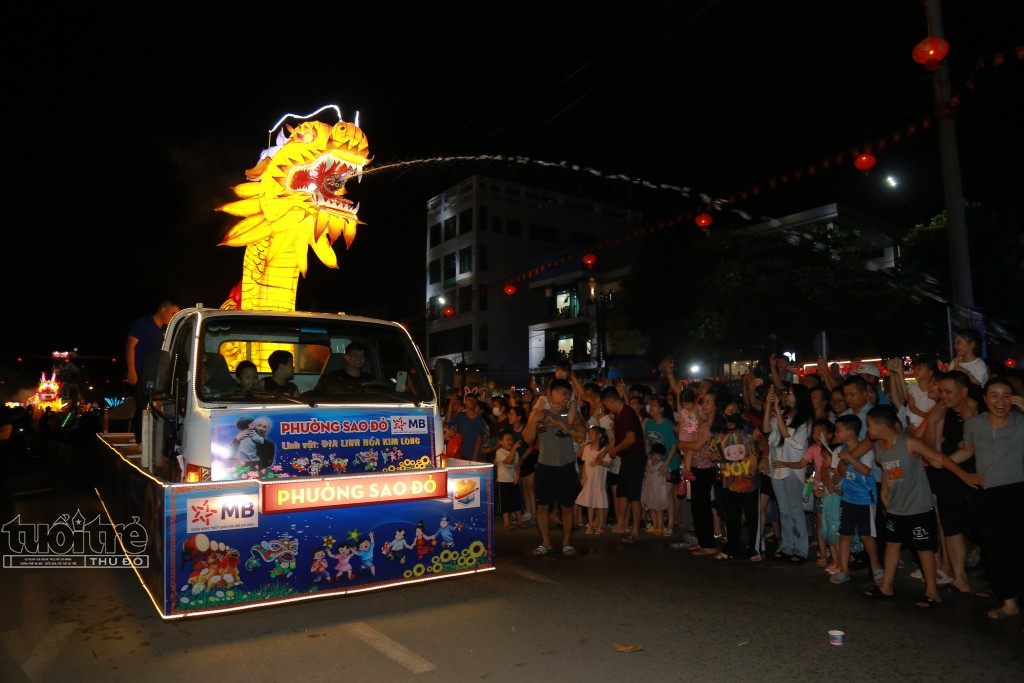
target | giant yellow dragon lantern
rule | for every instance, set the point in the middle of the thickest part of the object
(294, 200)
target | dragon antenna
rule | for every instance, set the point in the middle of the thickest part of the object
(337, 110)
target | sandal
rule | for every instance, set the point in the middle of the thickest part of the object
(924, 602)
(723, 556)
(781, 556)
(628, 538)
(983, 593)
(839, 577)
(568, 550)
(542, 550)
(509, 528)
(878, 575)
(796, 560)
(876, 592)
(755, 558)
(700, 552)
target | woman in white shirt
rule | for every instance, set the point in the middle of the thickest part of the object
(787, 421)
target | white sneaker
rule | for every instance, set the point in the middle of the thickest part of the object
(942, 577)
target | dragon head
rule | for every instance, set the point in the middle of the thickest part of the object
(298, 190)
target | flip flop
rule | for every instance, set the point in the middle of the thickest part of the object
(723, 556)
(839, 577)
(924, 602)
(568, 550)
(756, 558)
(983, 593)
(542, 550)
(876, 593)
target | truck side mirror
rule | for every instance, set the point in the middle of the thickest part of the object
(444, 376)
(156, 372)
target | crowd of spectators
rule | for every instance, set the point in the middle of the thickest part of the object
(851, 471)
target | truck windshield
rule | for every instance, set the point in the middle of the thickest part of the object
(334, 361)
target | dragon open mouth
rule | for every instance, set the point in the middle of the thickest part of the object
(324, 180)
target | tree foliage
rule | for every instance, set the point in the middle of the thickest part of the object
(734, 295)
(997, 266)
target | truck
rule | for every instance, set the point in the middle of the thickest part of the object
(240, 498)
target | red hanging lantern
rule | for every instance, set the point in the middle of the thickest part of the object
(590, 259)
(703, 220)
(865, 162)
(509, 289)
(930, 52)
(449, 311)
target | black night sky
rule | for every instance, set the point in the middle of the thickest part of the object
(125, 135)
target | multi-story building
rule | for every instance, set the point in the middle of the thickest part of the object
(486, 236)
(566, 260)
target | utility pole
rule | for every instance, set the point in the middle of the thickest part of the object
(956, 221)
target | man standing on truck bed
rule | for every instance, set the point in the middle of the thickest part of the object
(145, 335)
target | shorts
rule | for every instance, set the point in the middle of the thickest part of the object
(952, 502)
(631, 478)
(918, 532)
(556, 484)
(529, 465)
(857, 520)
(766, 487)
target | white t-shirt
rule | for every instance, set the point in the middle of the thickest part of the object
(505, 471)
(921, 401)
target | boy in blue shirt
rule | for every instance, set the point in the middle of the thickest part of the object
(859, 503)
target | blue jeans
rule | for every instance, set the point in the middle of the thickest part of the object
(789, 493)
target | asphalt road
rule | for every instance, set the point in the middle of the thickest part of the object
(533, 618)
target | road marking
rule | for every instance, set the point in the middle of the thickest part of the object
(526, 574)
(43, 655)
(389, 648)
(35, 628)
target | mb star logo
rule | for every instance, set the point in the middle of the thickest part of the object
(210, 513)
(203, 513)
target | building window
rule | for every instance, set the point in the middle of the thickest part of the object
(465, 299)
(481, 299)
(449, 228)
(481, 258)
(449, 269)
(496, 224)
(435, 234)
(514, 227)
(435, 272)
(466, 260)
(482, 218)
(580, 239)
(483, 336)
(567, 304)
(466, 222)
(447, 342)
(543, 233)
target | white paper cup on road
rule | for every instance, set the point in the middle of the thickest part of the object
(836, 637)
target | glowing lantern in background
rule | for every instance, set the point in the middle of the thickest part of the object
(509, 289)
(590, 259)
(930, 52)
(703, 220)
(865, 162)
(449, 311)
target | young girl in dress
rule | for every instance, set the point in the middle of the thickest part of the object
(687, 424)
(593, 475)
(654, 495)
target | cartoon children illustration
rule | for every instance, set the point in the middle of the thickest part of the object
(365, 552)
(445, 532)
(397, 548)
(319, 566)
(344, 558)
(423, 543)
